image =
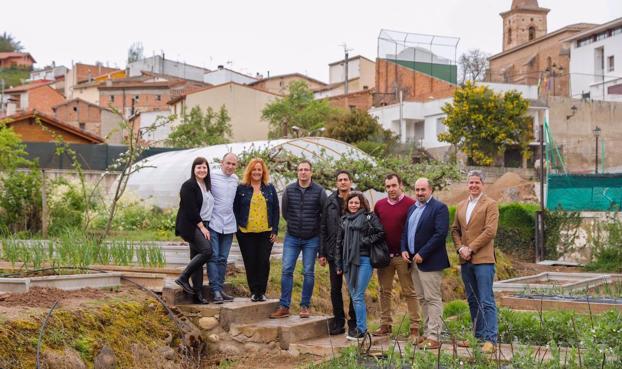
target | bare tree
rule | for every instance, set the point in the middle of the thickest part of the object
(473, 65)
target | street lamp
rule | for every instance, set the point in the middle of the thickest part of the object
(596, 132)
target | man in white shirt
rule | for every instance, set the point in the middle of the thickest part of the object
(222, 225)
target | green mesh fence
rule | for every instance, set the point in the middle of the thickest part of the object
(593, 192)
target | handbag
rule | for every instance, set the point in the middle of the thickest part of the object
(378, 251)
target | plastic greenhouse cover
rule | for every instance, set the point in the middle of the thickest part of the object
(158, 183)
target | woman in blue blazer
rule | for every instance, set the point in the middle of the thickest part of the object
(256, 209)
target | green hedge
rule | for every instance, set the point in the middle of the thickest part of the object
(516, 232)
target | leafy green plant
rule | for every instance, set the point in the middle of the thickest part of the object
(607, 246)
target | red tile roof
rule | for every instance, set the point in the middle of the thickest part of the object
(7, 55)
(28, 86)
(32, 114)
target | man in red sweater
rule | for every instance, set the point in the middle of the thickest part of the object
(392, 212)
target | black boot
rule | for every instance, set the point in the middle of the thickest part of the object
(226, 297)
(199, 299)
(218, 299)
(182, 281)
(195, 265)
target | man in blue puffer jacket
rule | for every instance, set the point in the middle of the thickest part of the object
(302, 206)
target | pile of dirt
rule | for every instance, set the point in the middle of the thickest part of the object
(510, 187)
(45, 297)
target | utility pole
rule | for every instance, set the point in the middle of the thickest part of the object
(346, 62)
(1, 96)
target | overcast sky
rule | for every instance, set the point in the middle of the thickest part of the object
(260, 36)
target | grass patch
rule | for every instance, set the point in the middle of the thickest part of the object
(13, 76)
(118, 323)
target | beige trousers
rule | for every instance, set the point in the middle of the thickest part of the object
(385, 280)
(428, 289)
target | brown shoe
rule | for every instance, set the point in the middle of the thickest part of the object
(463, 343)
(304, 312)
(429, 344)
(384, 330)
(281, 312)
(488, 347)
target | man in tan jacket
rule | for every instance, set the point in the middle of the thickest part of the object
(473, 233)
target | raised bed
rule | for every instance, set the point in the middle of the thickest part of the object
(555, 281)
(585, 304)
(64, 282)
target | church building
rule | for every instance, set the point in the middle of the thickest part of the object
(530, 54)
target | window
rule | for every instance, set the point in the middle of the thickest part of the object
(532, 33)
(610, 63)
(111, 98)
(82, 126)
(440, 125)
(509, 36)
(158, 98)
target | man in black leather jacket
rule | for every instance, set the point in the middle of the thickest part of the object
(331, 220)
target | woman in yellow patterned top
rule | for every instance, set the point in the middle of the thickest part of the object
(256, 208)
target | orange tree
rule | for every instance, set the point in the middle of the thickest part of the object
(483, 124)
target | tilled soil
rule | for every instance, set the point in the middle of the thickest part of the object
(45, 297)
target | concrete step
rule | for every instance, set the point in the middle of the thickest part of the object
(172, 294)
(330, 346)
(286, 331)
(239, 311)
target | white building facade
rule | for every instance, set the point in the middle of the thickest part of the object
(158, 64)
(224, 75)
(596, 62)
(421, 122)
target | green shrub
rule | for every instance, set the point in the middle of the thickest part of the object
(607, 255)
(516, 232)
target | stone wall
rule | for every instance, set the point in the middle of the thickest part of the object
(573, 132)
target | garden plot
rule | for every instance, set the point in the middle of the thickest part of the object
(555, 281)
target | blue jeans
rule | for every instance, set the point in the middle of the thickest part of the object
(358, 294)
(478, 279)
(292, 246)
(217, 265)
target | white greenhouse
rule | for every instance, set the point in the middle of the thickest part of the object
(158, 183)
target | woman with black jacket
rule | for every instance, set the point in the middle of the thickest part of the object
(195, 209)
(256, 209)
(360, 229)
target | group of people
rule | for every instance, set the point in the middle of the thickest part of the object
(340, 231)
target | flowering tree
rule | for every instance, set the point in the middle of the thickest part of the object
(483, 124)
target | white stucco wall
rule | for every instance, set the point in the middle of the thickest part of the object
(220, 76)
(583, 68)
(157, 64)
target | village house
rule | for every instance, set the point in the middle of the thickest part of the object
(280, 84)
(596, 62)
(244, 105)
(16, 60)
(160, 65)
(26, 126)
(360, 74)
(38, 95)
(91, 118)
(80, 73)
(224, 75)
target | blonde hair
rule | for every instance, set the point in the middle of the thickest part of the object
(265, 176)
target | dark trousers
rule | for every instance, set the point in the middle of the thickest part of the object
(256, 249)
(336, 298)
(200, 252)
